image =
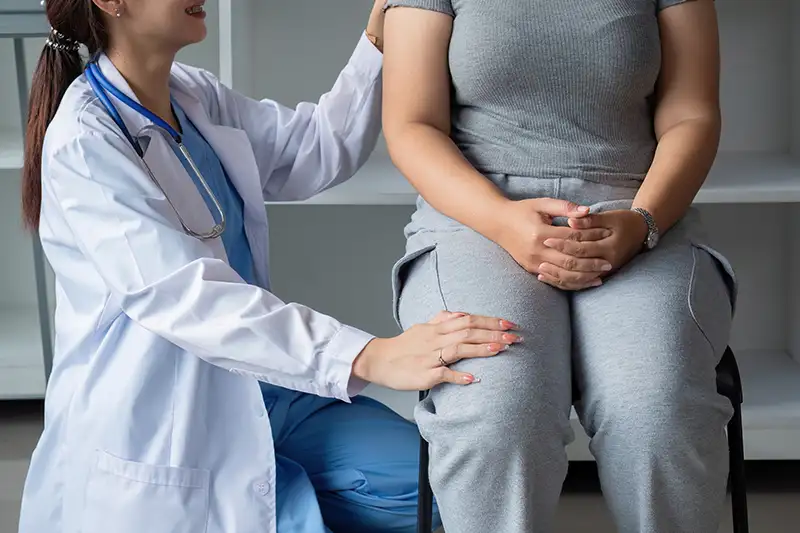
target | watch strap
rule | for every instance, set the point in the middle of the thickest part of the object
(652, 229)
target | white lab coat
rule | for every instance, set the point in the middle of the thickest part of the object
(154, 417)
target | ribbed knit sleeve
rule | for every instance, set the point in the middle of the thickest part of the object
(442, 6)
(662, 4)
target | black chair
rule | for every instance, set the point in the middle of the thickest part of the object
(729, 384)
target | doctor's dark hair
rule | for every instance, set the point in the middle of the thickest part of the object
(73, 22)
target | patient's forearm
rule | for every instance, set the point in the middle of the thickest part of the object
(683, 159)
(433, 164)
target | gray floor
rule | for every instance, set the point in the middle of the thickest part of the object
(771, 511)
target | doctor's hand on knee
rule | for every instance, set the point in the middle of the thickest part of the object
(419, 359)
(528, 224)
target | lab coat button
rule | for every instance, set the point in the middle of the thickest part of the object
(260, 411)
(262, 488)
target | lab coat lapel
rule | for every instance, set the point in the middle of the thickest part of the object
(133, 120)
(181, 190)
(172, 178)
(235, 152)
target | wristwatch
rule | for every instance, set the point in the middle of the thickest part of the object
(652, 229)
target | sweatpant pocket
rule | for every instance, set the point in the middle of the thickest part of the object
(400, 273)
(712, 295)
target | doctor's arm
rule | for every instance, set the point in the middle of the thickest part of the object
(303, 151)
(172, 285)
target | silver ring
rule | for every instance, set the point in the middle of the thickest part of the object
(441, 359)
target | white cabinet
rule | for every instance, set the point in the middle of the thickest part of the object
(335, 251)
(25, 343)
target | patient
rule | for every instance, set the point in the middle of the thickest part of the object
(511, 118)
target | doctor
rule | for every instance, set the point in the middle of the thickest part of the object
(146, 180)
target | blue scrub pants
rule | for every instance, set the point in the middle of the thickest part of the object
(342, 468)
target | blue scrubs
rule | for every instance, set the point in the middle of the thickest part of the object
(343, 468)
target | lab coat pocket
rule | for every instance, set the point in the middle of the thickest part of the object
(129, 497)
(400, 273)
(712, 295)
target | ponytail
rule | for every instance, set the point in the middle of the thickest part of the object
(60, 64)
(56, 71)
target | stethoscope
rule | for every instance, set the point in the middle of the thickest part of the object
(101, 86)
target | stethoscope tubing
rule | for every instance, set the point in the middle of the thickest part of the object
(101, 87)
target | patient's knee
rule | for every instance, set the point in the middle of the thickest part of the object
(658, 411)
(497, 424)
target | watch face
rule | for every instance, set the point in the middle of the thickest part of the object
(652, 240)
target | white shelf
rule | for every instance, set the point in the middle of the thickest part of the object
(11, 153)
(771, 387)
(22, 18)
(752, 178)
(21, 362)
(736, 178)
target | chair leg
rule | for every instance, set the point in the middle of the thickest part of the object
(425, 494)
(738, 483)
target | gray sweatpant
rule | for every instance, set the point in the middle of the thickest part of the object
(642, 350)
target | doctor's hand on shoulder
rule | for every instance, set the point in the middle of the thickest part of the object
(420, 358)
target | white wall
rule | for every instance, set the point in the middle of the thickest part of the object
(753, 237)
(756, 91)
(10, 117)
(338, 260)
(302, 45)
(206, 54)
(17, 280)
(793, 294)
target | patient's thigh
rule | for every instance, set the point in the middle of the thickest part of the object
(530, 382)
